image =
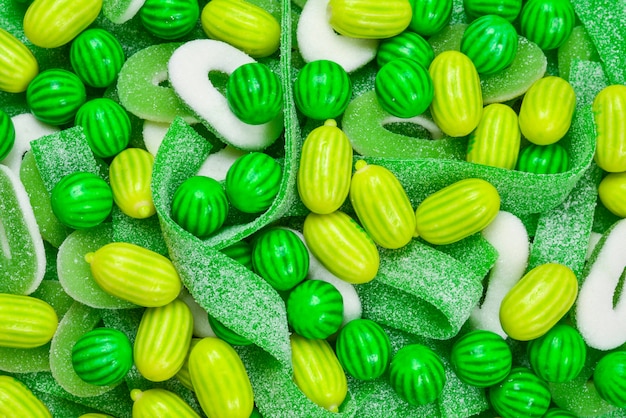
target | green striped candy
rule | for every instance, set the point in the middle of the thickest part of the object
(430, 16)
(491, 43)
(254, 93)
(169, 19)
(481, 358)
(322, 90)
(252, 182)
(559, 413)
(609, 378)
(54, 96)
(241, 252)
(548, 23)
(102, 356)
(559, 355)
(200, 206)
(97, 57)
(363, 349)
(543, 159)
(106, 125)
(417, 374)
(520, 394)
(280, 257)
(404, 88)
(405, 45)
(508, 9)
(315, 309)
(7, 135)
(227, 334)
(81, 200)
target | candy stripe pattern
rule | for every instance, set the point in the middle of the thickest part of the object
(508, 9)
(18, 66)
(315, 309)
(496, 140)
(252, 182)
(16, 400)
(7, 134)
(543, 159)
(609, 110)
(548, 23)
(559, 355)
(160, 403)
(54, 96)
(323, 89)
(404, 88)
(430, 16)
(26, 322)
(254, 93)
(170, 19)
(130, 174)
(363, 349)
(405, 45)
(481, 358)
(97, 57)
(106, 125)
(417, 374)
(491, 43)
(98, 359)
(521, 394)
(369, 19)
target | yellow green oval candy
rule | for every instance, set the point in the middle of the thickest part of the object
(97, 57)
(200, 205)
(159, 402)
(369, 19)
(54, 96)
(130, 174)
(102, 356)
(27, 322)
(17, 400)
(18, 65)
(496, 140)
(610, 116)
(612, 193)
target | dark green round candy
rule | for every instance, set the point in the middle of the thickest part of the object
(322, 90)
(280, 257)
(7, 135)
(97, 57)
(508, 9)
(559, 355)
(491, 43)
(254, 93)
(520, 394)
(200, 206)
(481, 358)
(106, 125)
(102, 356)
(54, 96)
(315, 309)
(81, 200)
(169, 19)
(548, 23)
(226, 334)
(363, 349)
(543, 159)
(241, 251)
(417, 374)
(405, 45)
(404, 88)
(430, 16)
(252, 182)
(609, 378)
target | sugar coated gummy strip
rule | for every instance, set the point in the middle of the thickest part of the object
(143, 232)
(121, 11)
(475, 252)
(27, 129)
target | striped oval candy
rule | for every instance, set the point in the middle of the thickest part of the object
(241, 251)
(363, 349)
(520, 394)
(18, 65)
(106, 125)
(26, 322)
(417, 375)
(481, 358)
(169, 19)
(220, 380)
(612, 193)
(457, 211)
(102, 356)
(130, 174)
(315, 309)
(430, 16)
(252, 182)
(54, 96)
(159, 402)
(382, 205)
(457, 102)
(17, 400)
(496, 140)
(538, 301)
(609, 378)
(183, 374)
(404, 88)
(407, 44)
(548, 23)
(200, 205)
(242, 24)
(317, 372)
(609, 111)
(97, 57)
(543, 159)
(254, 93)
(508, 9)
(322, 90)
(81, 200)
(491, 43)
(325, 168)
(559, 355)
(369, 19)
(7, 135)
(280, 257)
(547, 109)
(342, 246)
(226, 334)
(135, 274)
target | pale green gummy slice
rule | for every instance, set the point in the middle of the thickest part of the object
(578, 46)
(120, 11)
(145, 233)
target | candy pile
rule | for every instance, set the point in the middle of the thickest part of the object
(409, 208)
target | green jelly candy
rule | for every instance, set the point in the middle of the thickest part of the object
(508, 9)
(280, 257)
(254, 93)
(578, 46)
(169, 19)
(97, 57)
(200, 206)
(7, 135)
(405, 45)
(227, 334)
(102, 356)
(363, 349)
(322, 90)
(430, 16)
(315, 309)
(491, 43)
(417, 374)
(252, 182)
(481, 358)
(520, 394)
(106, 125)
(404, 88)
(81, 200)
(241, 251)
(543, 159)
(548, 23)
(559, 355)
(54, 96)
(609, 378)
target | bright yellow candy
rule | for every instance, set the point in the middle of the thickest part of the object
(18, 66)
(612, 193)
(370, 19)
(130, 174)
(153, 403)
(16, 400)
(25, 321)
(609, 110)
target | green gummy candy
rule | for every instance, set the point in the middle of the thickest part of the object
(143, 232)
(578, 46)
(120, 11)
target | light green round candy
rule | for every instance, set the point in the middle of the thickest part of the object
(404, 88)
(254, 93)
(102, 356)
(363, 349)
(7, 135)
(405, 45)
(322, 90)
(97, 57)
(520, 394)
(559, 355)
(106, 125)
(417, 374)
(54, 96)
(252, 182)
(609, 378)
(169, 19)
(491, 43)
(315, 309)
(430, 16)
(548, 23)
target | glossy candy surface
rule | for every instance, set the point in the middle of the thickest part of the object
(609, 110)
(404, 88)
(102, 356)
(609, 378)
(159, 402)
(322, 90)
(548, 23)
(18, 65)
(612, 193)
(106, 125)
(543, 159)
(130, 174)
(16, 399)
(508, 9)
(407, 44)
(54, 96)
(254, 93)
(481, 358)
(252, 182)
(169, 19)
(363, 349)
(491, 43)
(521, 393)
(315, 309)
(369, 19)
(7, 135)
(430, 16)
(417, 374)
(97, 57)
(27, 322)
(559, 355)
(496, 140)
(200, 205)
